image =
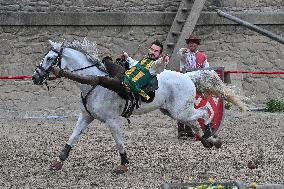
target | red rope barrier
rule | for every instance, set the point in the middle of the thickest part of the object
(15, 77)
(249, 72)
(229, 71)
(22, 77)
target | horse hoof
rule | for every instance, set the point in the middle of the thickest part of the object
(56, 165)
(206, 143)
(218, 143)
(121, 169)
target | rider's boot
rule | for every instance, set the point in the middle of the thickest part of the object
(114, 70)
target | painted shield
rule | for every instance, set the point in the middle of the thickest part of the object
(215, 107)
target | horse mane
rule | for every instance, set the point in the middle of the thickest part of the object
(88, 48)
(85, 46)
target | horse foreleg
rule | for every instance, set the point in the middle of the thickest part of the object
(83, 121)
(114, 125)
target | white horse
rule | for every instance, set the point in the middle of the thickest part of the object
(175, 97)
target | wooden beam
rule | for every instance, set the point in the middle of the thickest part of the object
(252, 26)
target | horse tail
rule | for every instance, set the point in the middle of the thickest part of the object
(208, 83)
(229, 95)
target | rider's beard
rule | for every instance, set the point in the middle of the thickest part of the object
(192, 49)
(152, 56)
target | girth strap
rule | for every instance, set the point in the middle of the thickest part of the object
(135, 101)
(84, 100)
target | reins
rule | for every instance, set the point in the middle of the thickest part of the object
(83, 68)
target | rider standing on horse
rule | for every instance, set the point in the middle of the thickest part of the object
(121, 81)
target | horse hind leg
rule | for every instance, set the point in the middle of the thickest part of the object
(83, 121)
(206, 139)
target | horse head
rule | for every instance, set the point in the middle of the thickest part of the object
(72, 56)
(52, 58)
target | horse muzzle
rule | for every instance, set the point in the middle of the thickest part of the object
(38, 80)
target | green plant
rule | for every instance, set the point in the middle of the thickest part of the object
(274, 106)
(228, 105)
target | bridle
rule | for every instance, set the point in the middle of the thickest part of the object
(55, 62)
(44, 76)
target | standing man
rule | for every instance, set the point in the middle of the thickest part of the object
(191, 59)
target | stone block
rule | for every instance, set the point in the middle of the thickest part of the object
(279, 65)
(264, 65)
(12, 7)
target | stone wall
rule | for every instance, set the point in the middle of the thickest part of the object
(235, 47)
(131, 5)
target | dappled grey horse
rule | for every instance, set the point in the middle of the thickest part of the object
(107, 106)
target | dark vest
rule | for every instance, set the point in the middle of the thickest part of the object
(136, 78)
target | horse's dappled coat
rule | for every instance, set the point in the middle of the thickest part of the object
(175, 95)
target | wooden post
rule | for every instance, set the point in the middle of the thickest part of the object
(186, 31)
(251, 26)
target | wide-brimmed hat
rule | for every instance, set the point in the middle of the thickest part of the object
(193, 38)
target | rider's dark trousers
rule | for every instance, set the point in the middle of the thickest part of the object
(112, 82)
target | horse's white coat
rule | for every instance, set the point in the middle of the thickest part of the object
(176, 94)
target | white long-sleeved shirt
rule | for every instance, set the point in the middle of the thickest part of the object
(157, 66)
(188, 60)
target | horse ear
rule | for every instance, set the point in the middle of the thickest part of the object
(51, 43)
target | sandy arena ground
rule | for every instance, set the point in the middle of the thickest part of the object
(28, 146)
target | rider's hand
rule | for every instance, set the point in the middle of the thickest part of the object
(165, 59)
(124, 55)
(182, 51)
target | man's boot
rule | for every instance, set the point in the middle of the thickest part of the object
(184, 131)
(189, 132)
(181, 132)
(207, 131)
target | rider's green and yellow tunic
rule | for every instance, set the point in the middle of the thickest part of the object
(136, 78)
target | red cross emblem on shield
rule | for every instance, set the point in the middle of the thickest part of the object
(215, 106)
